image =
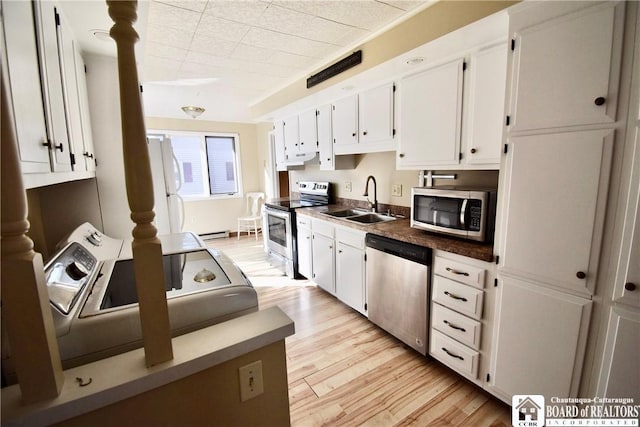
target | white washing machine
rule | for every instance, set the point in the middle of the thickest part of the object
(94, 301)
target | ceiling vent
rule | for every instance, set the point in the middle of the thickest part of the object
(335, 69)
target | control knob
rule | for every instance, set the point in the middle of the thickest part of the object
(95, 239)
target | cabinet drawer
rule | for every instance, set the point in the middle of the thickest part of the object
(322, 227)
(453, 354)
(350, 237)
(459, 297)
(303, 221)
(459, 271)
(455, 325)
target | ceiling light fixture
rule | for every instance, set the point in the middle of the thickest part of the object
(415, 61)
(193, 111)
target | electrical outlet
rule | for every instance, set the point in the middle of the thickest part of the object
(347, 186)
(396, 190)
(251, 380)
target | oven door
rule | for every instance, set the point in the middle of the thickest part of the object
(279, 233)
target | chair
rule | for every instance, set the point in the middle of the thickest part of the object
(251, 219)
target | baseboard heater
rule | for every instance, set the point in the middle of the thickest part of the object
(215, 235)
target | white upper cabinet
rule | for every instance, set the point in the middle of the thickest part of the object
(20, 62)
(291, 135)
(87, 138)
(555, 190)
(345, 123)
(483, 119)
(48, 19)
(308, 131)
(568, 69)
(278, 143)
(375, 115)
(325, 138)
(430, 117)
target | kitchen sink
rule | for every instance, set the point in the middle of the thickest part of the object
(370, 218)
(363, 217)
(345, 213)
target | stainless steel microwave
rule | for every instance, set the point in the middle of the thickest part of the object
(467, 212)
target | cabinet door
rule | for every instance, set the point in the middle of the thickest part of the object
(47, 19)
(85, 119)
(308, 132)
(550, 65)
(375, 108)
(304, 252)
(430, 117)
(278, 139)
(350, 276)
(345, 121)
(324, 262)
(325, 138)
(291, 136)
(484, 120)
(554, 196)
(620, 373)
(67, 49)
(24, 84)
(539, 340)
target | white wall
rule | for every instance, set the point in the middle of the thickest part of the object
(383, 167)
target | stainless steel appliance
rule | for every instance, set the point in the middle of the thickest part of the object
(94, 300)
(467, 212)
(398, 289)
(279, 224)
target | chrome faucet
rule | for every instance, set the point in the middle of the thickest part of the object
(374, 205)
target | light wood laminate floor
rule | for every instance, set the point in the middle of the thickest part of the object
(345, 371)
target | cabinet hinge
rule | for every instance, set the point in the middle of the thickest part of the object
(464, 66)
(394, 88)
(85, 69)
(317, 112)
(506, 148)
(459, 156)
(73, 158)
(488, 377)
(333, 107)
(365, 306)
(334, 140)
(495, 282)
(365, 257)
(498, 256)
(141, 90)
(507, 120)
(393, 132)
(56, 17)
(513, 44)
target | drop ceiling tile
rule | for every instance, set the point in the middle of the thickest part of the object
(190, 70)
(163, 15)
(284, 20)
(406, 4)
(252, 53)
(324, 30)
(168, 36)
(223, 29)
(212, 45)
(291, 60)
(160, 69)
(247, 11)
(287, 43)
(164, 51)
(206, 59)
(194, 5)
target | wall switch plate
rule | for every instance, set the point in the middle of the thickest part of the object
(347, 186)
(251, 384)
(396, 190)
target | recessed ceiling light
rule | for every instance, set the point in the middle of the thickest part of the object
(102, 35)
(415, 61)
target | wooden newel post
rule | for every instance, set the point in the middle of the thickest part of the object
(147, 251)
(26, 312)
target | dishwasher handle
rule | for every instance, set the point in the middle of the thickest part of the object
(404, 250)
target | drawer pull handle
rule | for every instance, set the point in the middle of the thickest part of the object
(452, 326)
(461, 273)
(451, 354)
(463, 299)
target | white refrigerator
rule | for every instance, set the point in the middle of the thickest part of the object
(169, 206)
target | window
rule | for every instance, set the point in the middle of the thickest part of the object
(208, 163)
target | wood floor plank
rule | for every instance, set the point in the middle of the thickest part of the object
(345, 371)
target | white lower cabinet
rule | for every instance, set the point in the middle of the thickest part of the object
(305, 262)
(323, 250)
(350, 269)
(461, 321)
(539, 340)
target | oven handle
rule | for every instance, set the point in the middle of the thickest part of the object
(463, 213)
(277, 213)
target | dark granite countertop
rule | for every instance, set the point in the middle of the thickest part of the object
(399, 229)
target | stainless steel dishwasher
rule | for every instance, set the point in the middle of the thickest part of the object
(398, 289)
